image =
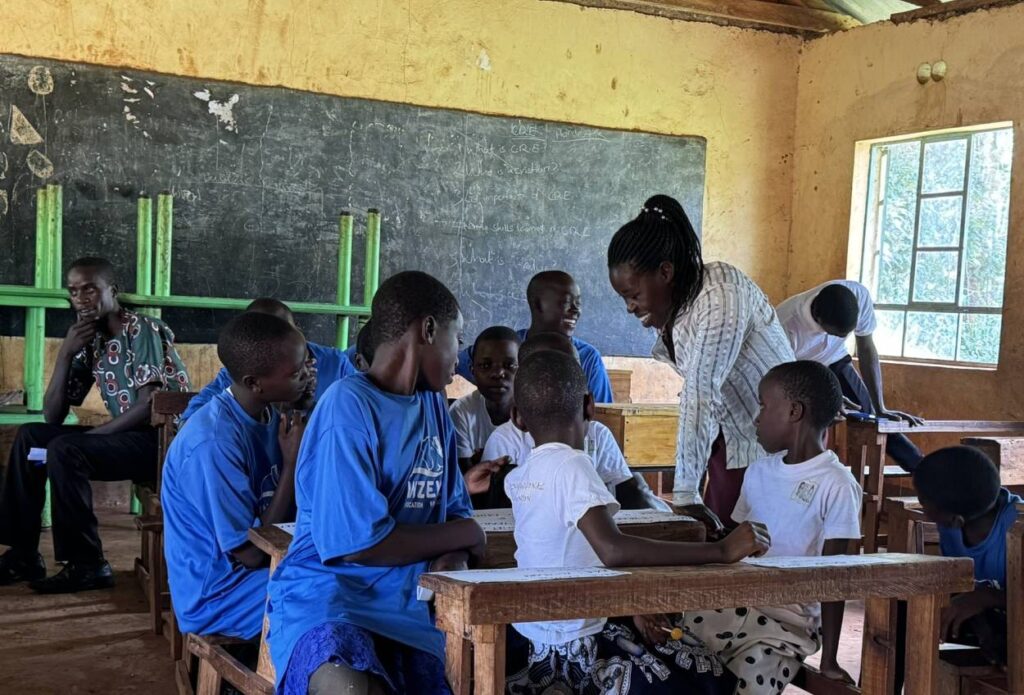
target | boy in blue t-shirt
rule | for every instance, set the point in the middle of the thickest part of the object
(554, 299)
(380, 501)
(960, 490)
(230, 468)
(330, 363)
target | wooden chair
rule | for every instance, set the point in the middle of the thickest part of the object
(149, 566)
(963, 671)
(208, 663)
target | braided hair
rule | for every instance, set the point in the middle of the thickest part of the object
(662, 232)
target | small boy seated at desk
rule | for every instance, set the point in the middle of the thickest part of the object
(476, 415)
(232, 467)
(960, 490)
(380, 500)
(331, 363)
(508, 441)
(811, 505)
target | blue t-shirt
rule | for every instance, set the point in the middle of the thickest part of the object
(221, 473)
(369, 460)
(590, 359)
(331, 364)
(990, 555)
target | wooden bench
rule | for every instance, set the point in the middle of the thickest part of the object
(863, 449)
(501, 546)
(208, 664)
(474, 616)
(959, 673)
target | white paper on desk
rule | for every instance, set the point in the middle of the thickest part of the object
(646, 516)
(37, 454)
(287, 527)
(822, 561)
(539, 574)
(501, 520)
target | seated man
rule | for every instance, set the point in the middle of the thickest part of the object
(230, 468)
(331, 363)
(554, 299)
(817, 323)
(129, 356)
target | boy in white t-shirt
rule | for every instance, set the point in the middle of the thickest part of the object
(495, 361)
(563, 518)
(508, 441)
(810, 503)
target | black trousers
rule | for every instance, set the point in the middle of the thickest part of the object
(903, 451)
(73, 458)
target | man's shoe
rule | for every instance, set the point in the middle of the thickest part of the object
(77, 576)
(15, 568)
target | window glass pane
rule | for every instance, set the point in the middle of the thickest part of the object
(935, 276)
(896, 243)
(988, 206)
(930, 335)
(944, 166)
(940, 221)
(888, 336)
(979, 338)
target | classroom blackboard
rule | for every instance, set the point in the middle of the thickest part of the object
(260, 175)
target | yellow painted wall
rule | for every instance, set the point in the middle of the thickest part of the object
(528, 58)
(861, 84)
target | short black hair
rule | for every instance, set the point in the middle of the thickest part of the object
(958, 480)
(274, 307)
(496, 333)
(251, 343)
(550, 387)
(406, 297)
(548, 340)
(544, 278)
(836, 306)
(812, 384)
(101, 266)
(365, 346)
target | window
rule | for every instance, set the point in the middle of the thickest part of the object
(934, 254)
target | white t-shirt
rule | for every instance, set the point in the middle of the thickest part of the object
(551, 490)
(599, 444)
(472, 422)
(808, 339)
(803, 505)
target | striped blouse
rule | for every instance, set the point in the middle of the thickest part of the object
(724, 344)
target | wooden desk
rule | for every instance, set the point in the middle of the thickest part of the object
(646, 432)
(863, 444)
(474, 616)
(501, 546)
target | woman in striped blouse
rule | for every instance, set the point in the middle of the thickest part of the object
(720, 333)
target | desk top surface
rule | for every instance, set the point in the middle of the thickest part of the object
(966, 426)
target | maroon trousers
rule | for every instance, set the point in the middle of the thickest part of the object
(723, 485)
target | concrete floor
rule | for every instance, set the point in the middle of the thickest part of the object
(99, 641)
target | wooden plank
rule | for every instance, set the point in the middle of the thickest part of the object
(944, 10)
(878, 650)
(931, 426)
(1015, 603)
(662, 589)
(751, 14)
(622, 384)
(922, 644)
(271, 540)
(215, 657)
(458, 662)
(1006, 452)
(488, 659)
(208, 682)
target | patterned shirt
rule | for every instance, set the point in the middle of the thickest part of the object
(141, 353)
(724, 344)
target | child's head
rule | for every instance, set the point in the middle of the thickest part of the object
(92, 288)
(551, 396)
(548, 341)
(795, 396)
(835, 309)
(267, 356)
(418, 311)
(655, 263)
(274, 307)
(364, 347)
(956, 485)
(554, 300)
(495, 361)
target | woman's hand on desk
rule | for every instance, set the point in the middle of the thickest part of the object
(711, 522)
(746, 540)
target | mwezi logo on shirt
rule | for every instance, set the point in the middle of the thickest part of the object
(424, 486)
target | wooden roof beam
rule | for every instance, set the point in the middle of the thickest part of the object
(752, 14)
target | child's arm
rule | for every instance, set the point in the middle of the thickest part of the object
(630, 496)
(832, 623)
(411, 543)
(963, 607)
(616, 549)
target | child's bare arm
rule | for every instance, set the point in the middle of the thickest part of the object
(630, 496)
(832, 622)
(617, 549)
(409, 543)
